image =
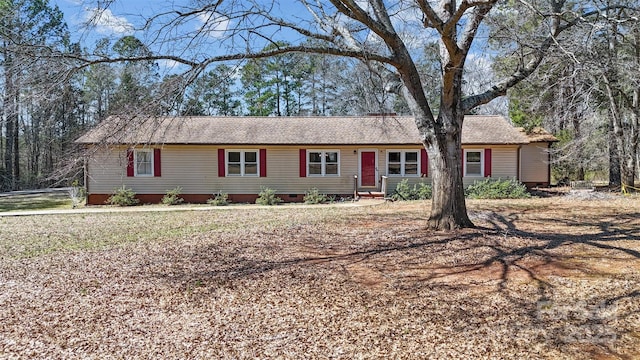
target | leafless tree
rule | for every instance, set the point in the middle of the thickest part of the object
(587, 93)
(616, 73)
(383, 34)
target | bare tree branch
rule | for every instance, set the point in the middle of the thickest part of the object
(522, 72)
(469, 33)
(432, 19)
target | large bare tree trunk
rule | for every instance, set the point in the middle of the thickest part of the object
(442, 139)
(444, 146)
(448, 207)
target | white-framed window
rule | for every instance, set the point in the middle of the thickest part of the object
(403, 163)
(323, 163)
(473, 162)
(242, 162)
(143, 162)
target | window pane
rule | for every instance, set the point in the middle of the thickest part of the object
(411, 157)
(143, 162)
(234, 156)
(250, 156)
(332, 169)
(234, 169)
(394, 169)
(144, 168)
(315, 169)
(394, 157)
(473, 169)
(411, 169)
(315, 157)
(250, 169)
(331, 157)
(144, 156)
(473, 156)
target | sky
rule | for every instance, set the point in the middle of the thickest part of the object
(121, 18)
(78, 12)
(126, 17)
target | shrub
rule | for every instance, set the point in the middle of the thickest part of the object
(424, 192)
(172, 197)
(497, 189)
(219, 199)
(404, 191)
(123, 197)
(267, 196)
(313, 196)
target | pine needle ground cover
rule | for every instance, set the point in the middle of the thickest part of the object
(552, 278)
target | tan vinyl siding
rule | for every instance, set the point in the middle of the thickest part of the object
(283, 174)
(195, 169)
(106, 170)
(504, 163)
(394, 180)
(535, 163)
(191, 167)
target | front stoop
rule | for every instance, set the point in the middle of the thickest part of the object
(371, 194)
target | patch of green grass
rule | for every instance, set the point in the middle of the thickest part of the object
(33, 236)
(59, 200)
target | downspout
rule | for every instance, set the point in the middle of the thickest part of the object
(518, 161)
(549, 164)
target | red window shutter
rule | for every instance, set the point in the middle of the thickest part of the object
(221, 163)
(487, 162)
(303, 162)
(130, 162)
(424, 163)
(263, 162)
(157, 167)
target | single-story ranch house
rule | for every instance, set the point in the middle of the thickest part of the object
(336, 155)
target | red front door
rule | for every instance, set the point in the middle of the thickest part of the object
(368, 168)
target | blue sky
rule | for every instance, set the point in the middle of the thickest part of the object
(126, 17)
(121, 18)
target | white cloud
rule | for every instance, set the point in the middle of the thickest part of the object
(214, 24)
(169, 65)
(108, 23)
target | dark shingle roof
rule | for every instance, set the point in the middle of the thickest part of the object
(363, 130)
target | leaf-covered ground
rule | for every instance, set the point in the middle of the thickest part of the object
(548, 278)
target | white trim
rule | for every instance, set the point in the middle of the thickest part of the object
(242, 162)
(323, 165)
(377, 172)
(135, 162)
(464, 163)
(403, 163)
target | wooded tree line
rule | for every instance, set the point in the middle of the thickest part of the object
(587, 94)
(47, 103)
(585, 91)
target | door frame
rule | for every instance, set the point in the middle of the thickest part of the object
(376, 171)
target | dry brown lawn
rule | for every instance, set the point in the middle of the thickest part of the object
(543, 278)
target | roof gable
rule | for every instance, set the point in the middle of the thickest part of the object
(344, 130)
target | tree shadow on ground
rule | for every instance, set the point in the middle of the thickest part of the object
(499, 257)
